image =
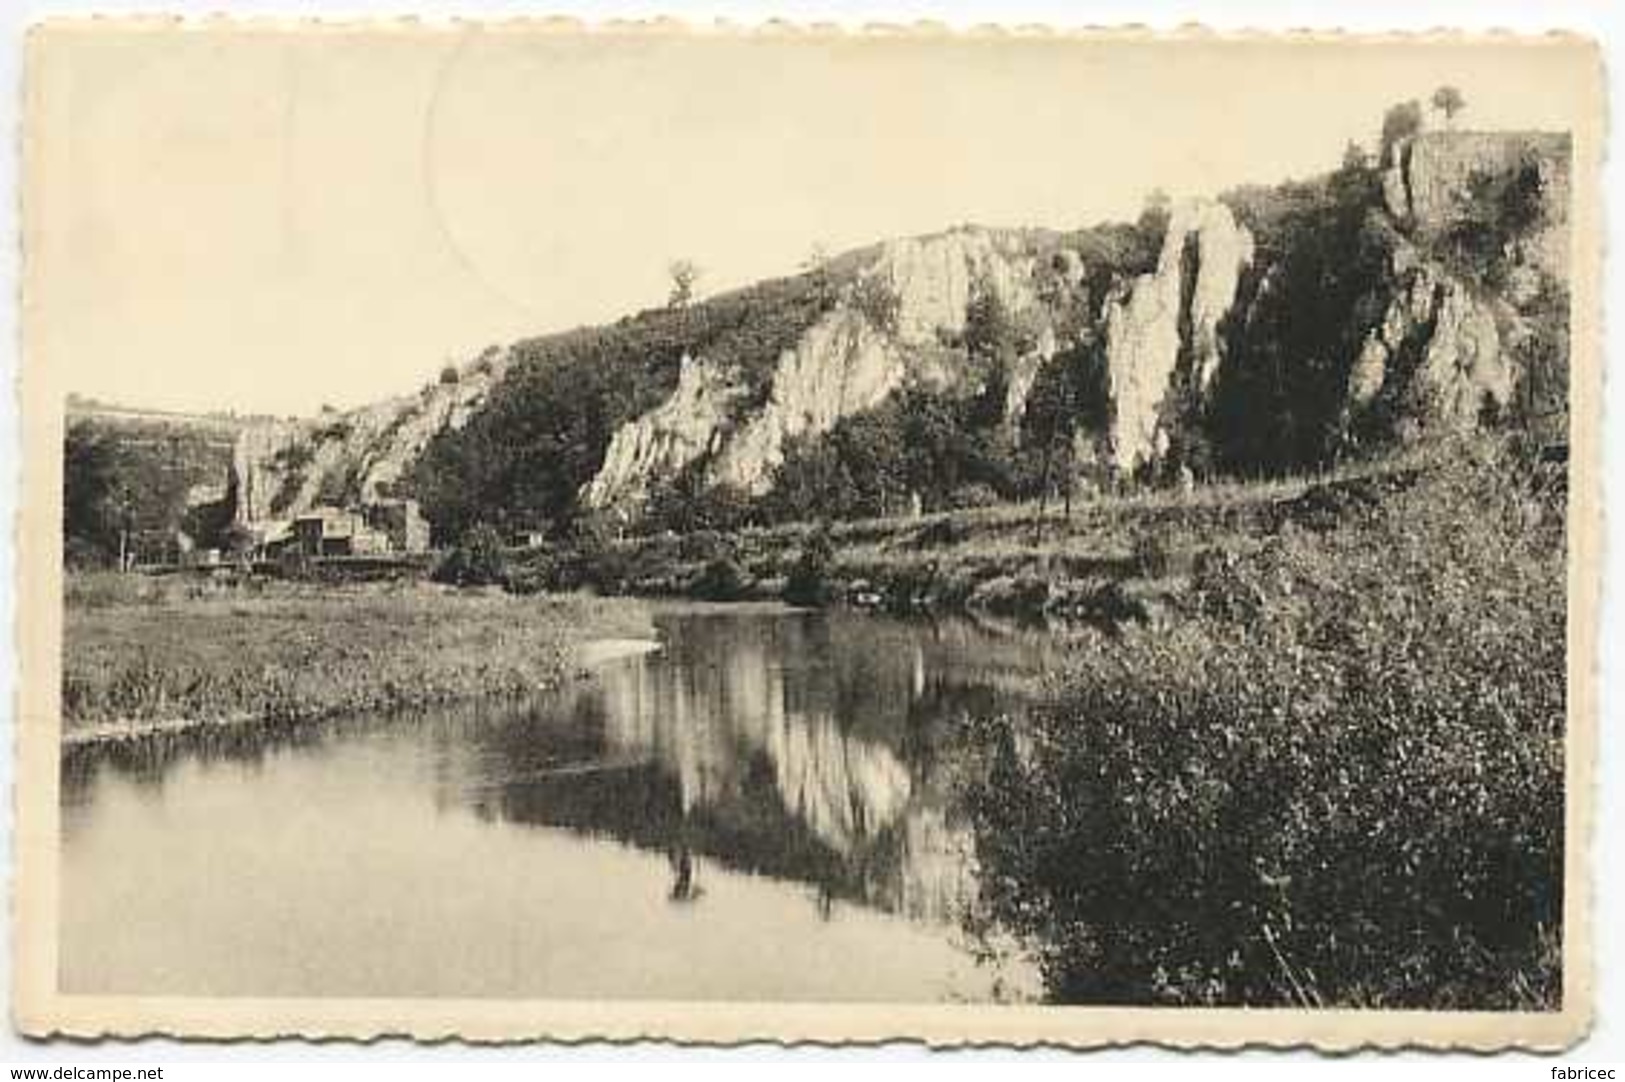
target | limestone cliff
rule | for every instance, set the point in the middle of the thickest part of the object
(1167, 319)
(281, 468)
(934, 278)
(1255, 333)
(1428, 184)
(1453, 342)
(684, 428)
(843, 365)
(852, 359)
(1434, 357)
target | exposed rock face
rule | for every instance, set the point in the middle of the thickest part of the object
(1419, 345)
(1021, 377)
(840, 367)
(1426, 186)
(1442, 352)
(1169, 317)
(257, 477)
(680, 430)
(1435, 354)
(934, 278)
(282, 468)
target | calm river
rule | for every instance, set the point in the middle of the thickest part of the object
(758, 811)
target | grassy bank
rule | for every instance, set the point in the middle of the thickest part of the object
(1335, 778)
(142, 653)
(1111, 558)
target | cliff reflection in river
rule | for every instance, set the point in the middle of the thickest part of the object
(760, 810)
(775, 744)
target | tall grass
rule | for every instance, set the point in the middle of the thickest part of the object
(139, 651)
(1338, 781)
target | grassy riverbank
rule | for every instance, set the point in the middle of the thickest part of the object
(144, 653)
(1108, 559)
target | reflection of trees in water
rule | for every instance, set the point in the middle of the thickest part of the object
(147, 761)
(809, 748)
(775, 746)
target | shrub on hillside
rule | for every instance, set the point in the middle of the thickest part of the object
(691, 503)
(808, 583)
(721, 579)
(598, 560)
(971, 496)
(878, 302)
(1500, 207)
(478, 560)
(701, 546)
(1340, 784)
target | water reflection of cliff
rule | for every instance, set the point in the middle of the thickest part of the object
(806, 747)
(802, 747)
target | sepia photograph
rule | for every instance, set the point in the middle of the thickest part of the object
(538, 531)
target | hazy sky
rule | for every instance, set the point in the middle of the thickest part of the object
(268, 222)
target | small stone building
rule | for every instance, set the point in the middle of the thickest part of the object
(400, 522)
(331, 531)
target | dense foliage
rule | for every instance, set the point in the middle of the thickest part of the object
(542, 434)
(1278, 403)
(935, 444)
(1338, 781)
(809, 580)
(126, 485)
(479, 559)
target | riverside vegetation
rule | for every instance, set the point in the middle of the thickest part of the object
(144, 653)
(1335, 780)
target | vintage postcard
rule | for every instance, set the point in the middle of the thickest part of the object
(544, 531)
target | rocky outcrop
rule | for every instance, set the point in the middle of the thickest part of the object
(935, 277)
(1021, 377)
(841, 366)
(1435, 355)
(260, 463)
(1432, 342)
(1427, 184)
(1443, 352)
(281, 468)
(1165, 324)
(686, 427)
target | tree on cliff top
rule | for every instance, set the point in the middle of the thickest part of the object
(1448, 100)
(685, 276)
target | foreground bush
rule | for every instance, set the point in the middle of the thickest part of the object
(721, 579)
(809, 581)
(479, 559)
(1338, 782)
